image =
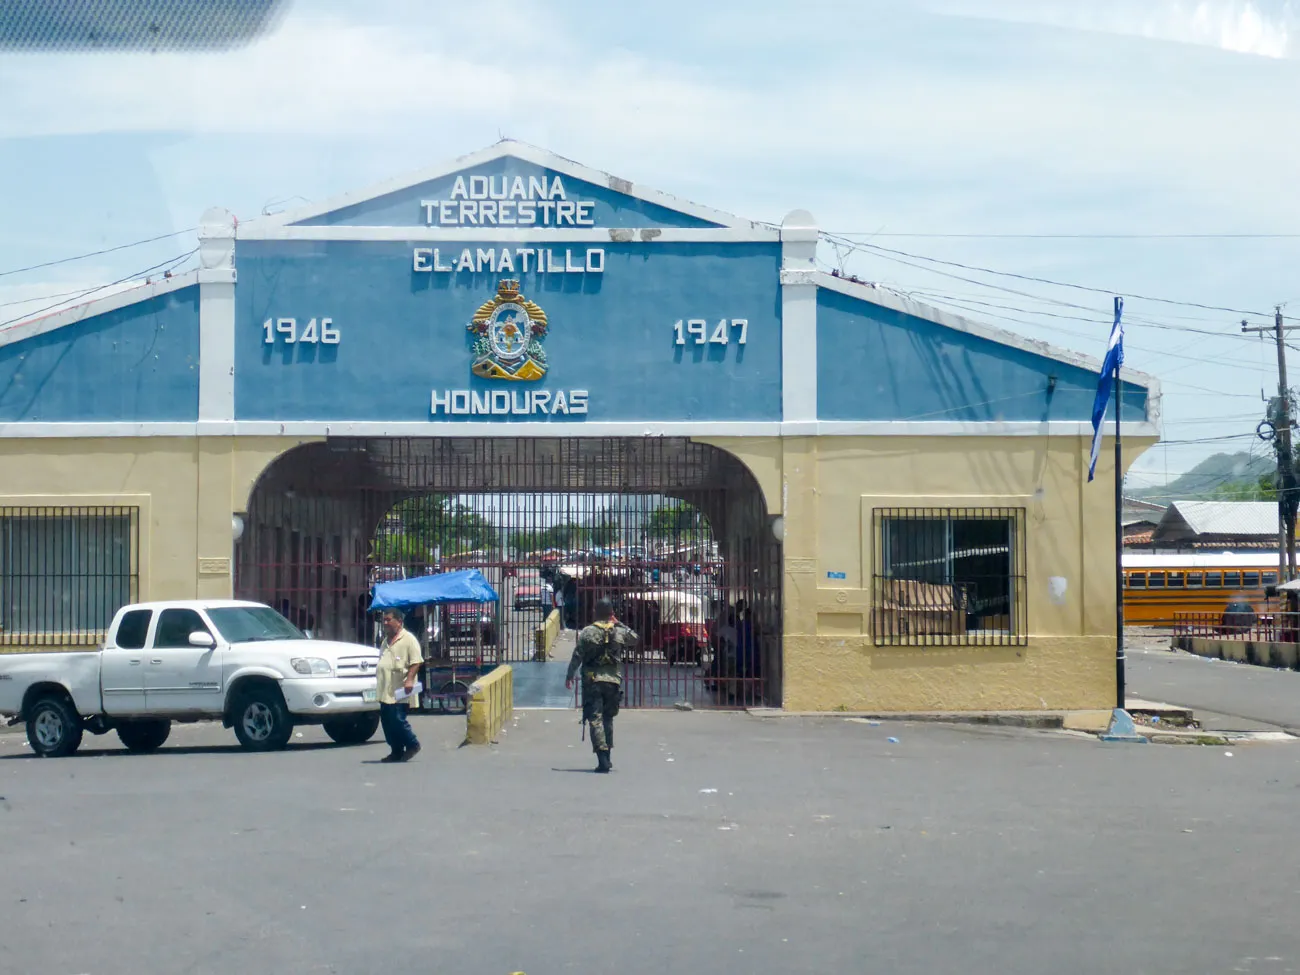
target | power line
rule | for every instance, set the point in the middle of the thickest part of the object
(1230, 436)
(170, 264)
(1229, 363)
(1140, 320)
(882, 251)
(26, 301)
(106, 250)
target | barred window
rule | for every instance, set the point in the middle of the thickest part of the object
(64, 572)
(949, 577)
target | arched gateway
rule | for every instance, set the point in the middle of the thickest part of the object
(519, 362)
(675, 533)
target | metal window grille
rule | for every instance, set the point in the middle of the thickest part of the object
(64, 572)
(949, 577)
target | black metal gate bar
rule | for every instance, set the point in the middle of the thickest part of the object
(64, 572)
(673, 532)
(950, 577)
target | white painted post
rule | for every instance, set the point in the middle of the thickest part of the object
(798, 322)
(216, 321)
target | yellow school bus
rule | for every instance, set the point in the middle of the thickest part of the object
(1158, 585)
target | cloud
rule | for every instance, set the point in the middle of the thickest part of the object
(1241, 26)
(995, 107)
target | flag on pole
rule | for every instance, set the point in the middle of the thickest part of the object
(1109, 367)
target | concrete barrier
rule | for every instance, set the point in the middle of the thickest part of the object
(1263, 653)
(491, 703)
(544, 636)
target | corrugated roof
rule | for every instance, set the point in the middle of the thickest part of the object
(1138, 504)
(1225, 517)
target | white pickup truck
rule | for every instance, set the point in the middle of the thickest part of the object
(192, 660)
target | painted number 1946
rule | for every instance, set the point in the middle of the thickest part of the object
(700, 332)
(286, 329)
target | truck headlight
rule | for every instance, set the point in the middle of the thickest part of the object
(312, 666)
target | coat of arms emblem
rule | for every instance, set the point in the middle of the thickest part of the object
(508, 333)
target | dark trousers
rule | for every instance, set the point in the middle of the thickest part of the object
(397, 730)
(600, 703)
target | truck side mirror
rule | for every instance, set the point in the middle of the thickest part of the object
(201, 639)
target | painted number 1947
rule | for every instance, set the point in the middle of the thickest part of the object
(700, 331)
(286, 330)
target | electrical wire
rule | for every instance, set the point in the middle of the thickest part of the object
(885, 251)
(1224, 361)
(1193, 440)
(168, 265)
(47, 297)
(106, 250)
(1141, 321)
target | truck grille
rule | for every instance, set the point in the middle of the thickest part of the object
(361, 666)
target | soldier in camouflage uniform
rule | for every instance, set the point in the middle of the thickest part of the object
(599, 654)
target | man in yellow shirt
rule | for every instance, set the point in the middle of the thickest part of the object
(399, 663)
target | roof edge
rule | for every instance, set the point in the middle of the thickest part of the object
(506, 147)
(885, 298)
(32, 327)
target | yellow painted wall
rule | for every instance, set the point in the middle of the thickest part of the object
(825, 489)
(828, 488)
(186, 488)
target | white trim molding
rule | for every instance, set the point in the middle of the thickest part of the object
(505, 148)
(685, 428)
(33, 327)
(217, 316)
(896, 302)
(593, 235)
(798, 317)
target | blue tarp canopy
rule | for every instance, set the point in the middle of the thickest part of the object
(466, 586)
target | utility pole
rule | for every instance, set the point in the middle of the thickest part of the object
(1286, 476)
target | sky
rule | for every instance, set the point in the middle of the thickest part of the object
(1142, 149)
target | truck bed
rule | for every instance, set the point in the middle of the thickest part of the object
(77, 670)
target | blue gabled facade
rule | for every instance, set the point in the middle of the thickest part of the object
(877, 363)
(138, 363)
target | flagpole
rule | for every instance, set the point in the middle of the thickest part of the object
(1119, 534)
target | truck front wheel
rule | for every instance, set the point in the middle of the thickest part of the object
(353, 729)
(145, 735)
(53, 727)
(262, 722)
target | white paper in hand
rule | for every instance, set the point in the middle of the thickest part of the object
(401, 694)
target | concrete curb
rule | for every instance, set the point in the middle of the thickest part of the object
(1051, 720)
(1214, 737)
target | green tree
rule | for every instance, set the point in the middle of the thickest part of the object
(1262, 488)
(399, 548)
(604, 533)
(440, 521)
(675, 520)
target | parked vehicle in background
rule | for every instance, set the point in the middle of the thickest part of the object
(460, 619)
(192, 660)
(528, 597)
(672, 622)
(1158, 585)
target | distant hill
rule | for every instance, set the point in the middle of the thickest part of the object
(1210, 474)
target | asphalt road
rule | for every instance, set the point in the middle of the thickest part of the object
(1258, 694)
(825, 848)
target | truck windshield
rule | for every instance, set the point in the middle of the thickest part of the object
(250, 624)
